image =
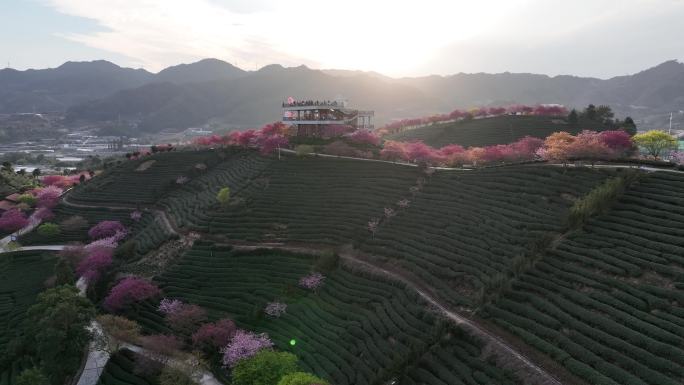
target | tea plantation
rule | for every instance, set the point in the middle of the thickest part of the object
(144, 181)
(462, 229)
(318, 200)
(356, 329)
(22, 278)
(608, 302)
(490, 131)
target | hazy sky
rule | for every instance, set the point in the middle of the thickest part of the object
(600, 38)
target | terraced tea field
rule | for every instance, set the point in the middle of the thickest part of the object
(464, 228)
(356, 329)
(489, 131)
(190, 204)
(143, 182)
(22, 278)
(318, 200)
(608, 302)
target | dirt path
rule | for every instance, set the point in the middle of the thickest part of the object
(532, 373)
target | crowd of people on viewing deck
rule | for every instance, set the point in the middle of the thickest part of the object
(313, 116)
(311, 103)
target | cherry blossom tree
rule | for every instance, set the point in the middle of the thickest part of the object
(275, 309)
(136, 215)
(186, 318)
(558, 146)
(364, 137)
(243, 345)
(129, 291)
(373, 226)
(13, 220)
(48, 196)
(268, 144)
(42, 213)
(106, 229)
(394, 151)
(215, 335)
(589, 146)
(617, 140)
(167, 305)
(312, 281)
(92, 266)
(419, 152)
(678, 157)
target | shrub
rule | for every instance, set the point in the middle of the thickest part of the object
(244, 345)
(106, 229)
(64, 274)
(175, 376)
(597, 200)
(49, 230)
(301, 378)
(327, 262)
(74, 223)
(339, 148)
(223, 196)
(214, 335)
(265, 368)
(161, 346)
(116, 331)
(129, 291)
(126, 250)
(304, 149)
(33, 376)
(27, 199)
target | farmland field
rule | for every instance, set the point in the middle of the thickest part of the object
(355, 330)
(490, 131)
(608, 301)
(22, 278)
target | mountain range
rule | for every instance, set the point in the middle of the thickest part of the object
(192, 94)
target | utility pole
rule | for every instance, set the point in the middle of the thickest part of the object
(670, 130)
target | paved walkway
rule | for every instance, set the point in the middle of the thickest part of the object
(97, 359)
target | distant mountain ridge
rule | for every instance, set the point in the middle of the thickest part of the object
(191, 94)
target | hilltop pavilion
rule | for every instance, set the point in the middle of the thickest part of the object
(325, 119)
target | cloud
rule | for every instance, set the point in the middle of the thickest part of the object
(395, 37)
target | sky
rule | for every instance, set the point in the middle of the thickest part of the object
(599, 38)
